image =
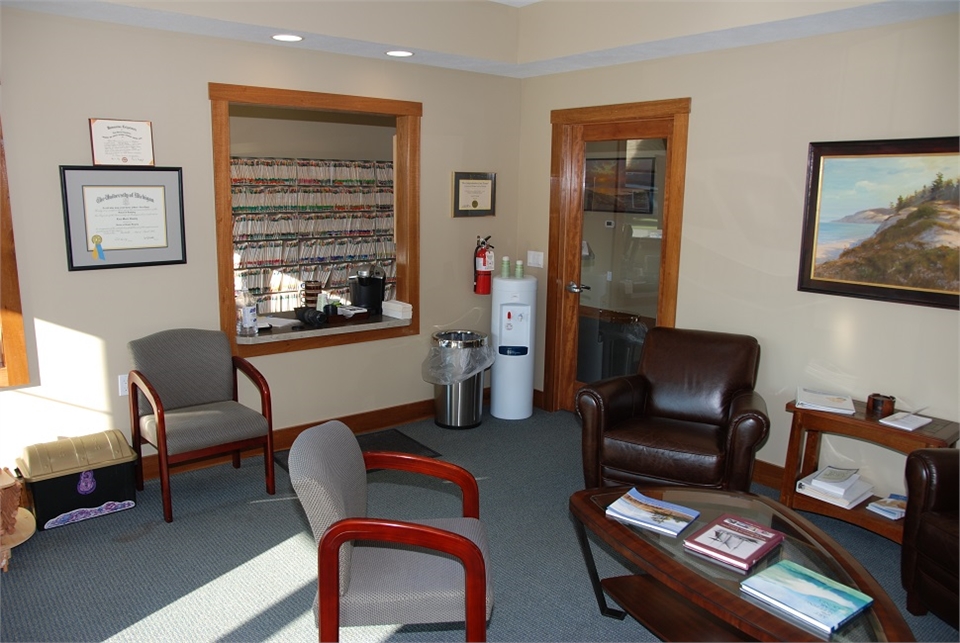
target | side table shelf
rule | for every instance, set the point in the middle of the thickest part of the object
(803, 454)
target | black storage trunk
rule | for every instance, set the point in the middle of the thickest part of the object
(74, 479)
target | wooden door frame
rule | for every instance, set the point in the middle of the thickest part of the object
(571, 128)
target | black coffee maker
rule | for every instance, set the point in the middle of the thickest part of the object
(367, 287)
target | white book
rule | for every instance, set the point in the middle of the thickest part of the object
(834, 480)
(905, 421)
(853, 497)
(820, 401)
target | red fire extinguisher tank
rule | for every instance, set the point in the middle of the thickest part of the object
(483, 266)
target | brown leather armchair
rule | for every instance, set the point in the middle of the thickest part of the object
(929, 558)
(689, 416)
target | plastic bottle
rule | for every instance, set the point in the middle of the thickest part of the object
(518, 273)
(505, 267)
(246, 314)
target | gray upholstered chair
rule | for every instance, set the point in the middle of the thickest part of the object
(183, 402)
(427, 571)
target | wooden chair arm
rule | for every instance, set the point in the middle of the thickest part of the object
(378, 529)
(431, 467)
(137, 382)
(256, 377)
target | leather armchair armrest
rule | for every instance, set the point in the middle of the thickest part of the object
(931, 477)
(747, 427)
(601, 405)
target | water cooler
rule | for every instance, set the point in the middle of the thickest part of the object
(513, 331)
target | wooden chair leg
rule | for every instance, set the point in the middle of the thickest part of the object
(165, 492)
(236, 459)
(268, 465)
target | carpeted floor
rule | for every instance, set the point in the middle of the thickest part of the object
(386, 440)
(239, 565)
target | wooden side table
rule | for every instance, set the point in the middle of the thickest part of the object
(803, 454)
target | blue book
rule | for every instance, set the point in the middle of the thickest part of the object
(634, 508)
(806, 595)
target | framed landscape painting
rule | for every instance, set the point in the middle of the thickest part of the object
(882, 221)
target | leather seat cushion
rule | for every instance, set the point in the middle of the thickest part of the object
(672, 451)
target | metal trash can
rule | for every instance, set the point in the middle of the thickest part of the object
(459, 405)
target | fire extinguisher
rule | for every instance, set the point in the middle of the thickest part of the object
(483, 266)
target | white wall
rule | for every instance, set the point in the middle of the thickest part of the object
(754, 112)
(59, 72)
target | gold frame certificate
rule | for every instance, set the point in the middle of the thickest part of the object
(120, 142)
(474, 194)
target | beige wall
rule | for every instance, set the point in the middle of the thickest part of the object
(755, 110)
(59, 72)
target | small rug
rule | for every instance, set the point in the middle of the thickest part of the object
(386, 440)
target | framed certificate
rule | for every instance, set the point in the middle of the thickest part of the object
(474, 194)
(121, 142)
(117, 217)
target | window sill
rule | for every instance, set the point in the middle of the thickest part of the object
(342, 331)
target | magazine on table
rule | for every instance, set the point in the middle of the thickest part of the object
(893, 506)
(735, 541)
(806, 595)
(820, 401)
(634, 508)
(906, 421)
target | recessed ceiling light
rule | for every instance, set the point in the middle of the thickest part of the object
(399, 53)
(287, 37)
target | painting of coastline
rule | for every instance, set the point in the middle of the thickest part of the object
(879, 224)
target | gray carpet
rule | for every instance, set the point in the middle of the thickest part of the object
(239, 565)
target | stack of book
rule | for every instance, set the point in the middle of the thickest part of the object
(811, 598)
(634, 508)
(841, 487)
(733, 542)
(893, 506)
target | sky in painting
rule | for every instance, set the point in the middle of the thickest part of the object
(850, 184)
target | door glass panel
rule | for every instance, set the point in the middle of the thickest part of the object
(620, 253)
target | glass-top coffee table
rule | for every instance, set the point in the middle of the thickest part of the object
(682, 597)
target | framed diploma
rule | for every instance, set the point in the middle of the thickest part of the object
(121, 142)
(117, 217)
(474, 194)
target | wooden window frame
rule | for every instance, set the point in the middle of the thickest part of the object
(406, 203)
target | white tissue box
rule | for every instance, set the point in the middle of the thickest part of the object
(397, 309)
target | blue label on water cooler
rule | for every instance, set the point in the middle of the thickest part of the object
(514, 350)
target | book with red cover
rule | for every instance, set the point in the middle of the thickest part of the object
(734, 541)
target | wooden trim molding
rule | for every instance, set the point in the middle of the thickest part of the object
(13, 349)
(406, 202)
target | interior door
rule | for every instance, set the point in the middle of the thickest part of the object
(616, 204)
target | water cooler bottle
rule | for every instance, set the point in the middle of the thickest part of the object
(513, 329)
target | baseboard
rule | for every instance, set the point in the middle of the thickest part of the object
(764, 473)
(769, 475)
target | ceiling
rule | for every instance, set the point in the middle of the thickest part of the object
(539, 36)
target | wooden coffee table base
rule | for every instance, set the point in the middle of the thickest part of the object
(665, 613)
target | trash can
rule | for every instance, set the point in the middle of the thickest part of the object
(455, 367)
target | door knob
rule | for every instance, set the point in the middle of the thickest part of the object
(574, 288)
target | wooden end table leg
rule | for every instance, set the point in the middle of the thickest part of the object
(592, 571)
